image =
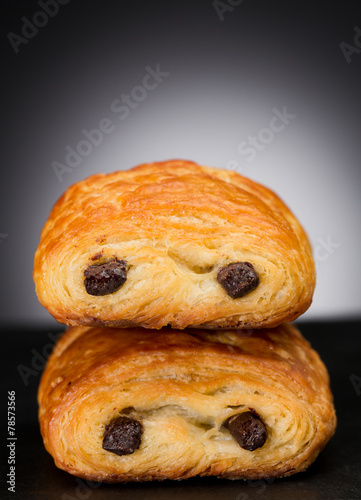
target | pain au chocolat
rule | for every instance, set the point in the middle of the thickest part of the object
(133, 405)
(173, 243)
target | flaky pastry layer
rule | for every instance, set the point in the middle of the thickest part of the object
(175, 224)
(182, 387)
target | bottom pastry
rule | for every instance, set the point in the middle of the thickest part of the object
(135, 405)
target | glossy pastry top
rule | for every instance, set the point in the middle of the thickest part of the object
(82, 351)
(175, 225)
(129, 404)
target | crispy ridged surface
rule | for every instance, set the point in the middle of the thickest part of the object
(176, 224)
(182, 386)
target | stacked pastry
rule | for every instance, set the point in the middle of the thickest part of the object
(177, 281)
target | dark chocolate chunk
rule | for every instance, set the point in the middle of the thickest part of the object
(248, 430)
(96, 256)
(102, 279)
(122, 436)
(238, 279)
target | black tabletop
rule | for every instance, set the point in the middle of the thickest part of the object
(336, 474)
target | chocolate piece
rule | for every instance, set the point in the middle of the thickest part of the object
(102, 279)
(238, 279)
(96, 256)
(248, 430)
(122, 436)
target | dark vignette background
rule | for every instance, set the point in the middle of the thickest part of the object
(225, 78)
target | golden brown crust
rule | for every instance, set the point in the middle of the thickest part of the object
(182, 386)
(175, 223)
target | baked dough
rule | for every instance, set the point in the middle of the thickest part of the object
(171, 228)
(180, 388)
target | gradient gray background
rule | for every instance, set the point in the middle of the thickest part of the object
(225, 77)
